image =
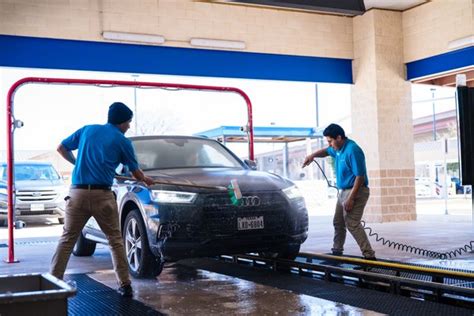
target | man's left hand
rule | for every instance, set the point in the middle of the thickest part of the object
(348, 204)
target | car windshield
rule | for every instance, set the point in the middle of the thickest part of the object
(31, 172)
(170, 153)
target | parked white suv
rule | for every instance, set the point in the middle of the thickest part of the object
(39, 191)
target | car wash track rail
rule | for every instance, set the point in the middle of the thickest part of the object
(422, 282)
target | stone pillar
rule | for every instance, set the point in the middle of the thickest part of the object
(382, 115)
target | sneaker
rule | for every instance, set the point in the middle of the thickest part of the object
(126, 290)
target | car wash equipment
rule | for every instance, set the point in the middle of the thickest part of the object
(405, 247)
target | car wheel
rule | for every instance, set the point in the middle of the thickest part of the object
(289, 252)
(83, 247)
(61, 220)
(141, 261)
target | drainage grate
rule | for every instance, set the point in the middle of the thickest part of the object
(94, 298)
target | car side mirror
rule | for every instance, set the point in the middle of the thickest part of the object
(251, 164)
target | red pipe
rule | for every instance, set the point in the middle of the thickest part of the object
(16, 85)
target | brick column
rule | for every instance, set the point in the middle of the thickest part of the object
(382, 115)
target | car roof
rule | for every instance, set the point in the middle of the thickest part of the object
(169, 137)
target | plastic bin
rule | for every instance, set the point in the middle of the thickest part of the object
(34, 294)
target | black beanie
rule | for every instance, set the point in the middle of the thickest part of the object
(119, 113)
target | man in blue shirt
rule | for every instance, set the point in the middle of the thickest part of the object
(101, 148)
(353, 190)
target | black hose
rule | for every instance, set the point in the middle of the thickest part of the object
(405, 247)
(416, 250)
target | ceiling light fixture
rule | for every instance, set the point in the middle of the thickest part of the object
(461, 42)
(206, 42)
(133, 37)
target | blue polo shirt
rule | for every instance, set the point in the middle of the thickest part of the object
(350, 163)
(101, 148)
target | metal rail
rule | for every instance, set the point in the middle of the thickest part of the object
(454, 287)
(10, 125)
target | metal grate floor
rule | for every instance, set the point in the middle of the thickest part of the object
(94, 298)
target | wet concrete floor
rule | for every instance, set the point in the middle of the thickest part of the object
(182, 290)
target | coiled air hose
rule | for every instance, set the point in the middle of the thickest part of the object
(405, 247)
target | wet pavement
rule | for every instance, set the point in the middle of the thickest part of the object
(185, 288)
(182, 290)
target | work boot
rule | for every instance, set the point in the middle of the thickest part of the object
(125, 290)
(337, 253)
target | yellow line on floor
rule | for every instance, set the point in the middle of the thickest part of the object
(446, 273)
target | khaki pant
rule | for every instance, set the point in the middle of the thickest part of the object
(83, 204)
(351, 221)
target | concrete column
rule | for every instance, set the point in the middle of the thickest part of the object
(382, 115)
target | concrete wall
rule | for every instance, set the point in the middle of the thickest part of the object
(427, 29)
(263, 30)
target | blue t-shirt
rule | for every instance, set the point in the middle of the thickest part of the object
(350, 163)
(101, 148)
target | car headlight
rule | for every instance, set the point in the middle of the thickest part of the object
(164, 196)
(292, 192)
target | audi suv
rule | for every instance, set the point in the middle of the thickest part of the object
(206, 202)
(39, 191)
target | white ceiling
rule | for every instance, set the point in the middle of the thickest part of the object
(398, 5)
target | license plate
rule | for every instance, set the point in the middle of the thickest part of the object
(248, 223)
(37, 207)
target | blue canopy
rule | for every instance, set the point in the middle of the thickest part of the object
(262, 134)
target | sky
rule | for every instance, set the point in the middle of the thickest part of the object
(52, 112)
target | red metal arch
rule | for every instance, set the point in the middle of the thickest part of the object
(10, 127)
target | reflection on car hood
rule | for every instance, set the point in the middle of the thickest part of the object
(248, 180)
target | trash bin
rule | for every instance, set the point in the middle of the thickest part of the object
(34, 294)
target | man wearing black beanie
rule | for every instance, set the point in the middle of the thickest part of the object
(101, 148)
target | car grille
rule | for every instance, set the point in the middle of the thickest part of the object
(36, 196)
(220, 215)
(33, 213)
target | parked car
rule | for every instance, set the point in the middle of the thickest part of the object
(172, 221)
(460, 189)
(39, 191)
(423, 187)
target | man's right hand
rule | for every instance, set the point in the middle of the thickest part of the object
(308, 160)
(148, 180)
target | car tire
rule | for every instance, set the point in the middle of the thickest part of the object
(84, 247)
(141, 261)
(289, 252)
(61, 220)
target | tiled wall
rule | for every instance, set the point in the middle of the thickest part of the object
(427, 29)
(263, 30)
(381, 115)
(392, 195)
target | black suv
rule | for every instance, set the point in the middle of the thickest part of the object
(190, 212)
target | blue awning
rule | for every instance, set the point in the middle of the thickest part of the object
(262, 134)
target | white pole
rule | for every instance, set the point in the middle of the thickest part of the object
(445, 177)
